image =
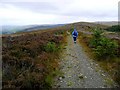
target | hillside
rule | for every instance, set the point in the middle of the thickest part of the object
(32, 59)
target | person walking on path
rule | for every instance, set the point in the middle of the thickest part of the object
(75, 35)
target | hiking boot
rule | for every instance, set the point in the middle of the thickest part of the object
(74, 41)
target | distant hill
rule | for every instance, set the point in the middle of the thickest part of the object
(109, 23)
(41, 27)
(28, 28)
(9, 29)
(84, 26)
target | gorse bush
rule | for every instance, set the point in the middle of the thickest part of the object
(97, 33)
(50, 47)
(114, 28)
(106, 48)
(94, 42)
(102, 46)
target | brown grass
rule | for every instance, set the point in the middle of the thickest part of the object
(83, 39)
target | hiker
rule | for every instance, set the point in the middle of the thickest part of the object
(74, 34)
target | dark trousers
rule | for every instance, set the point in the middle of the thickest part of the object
(74, 38)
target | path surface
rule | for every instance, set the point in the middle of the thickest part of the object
(79, 71)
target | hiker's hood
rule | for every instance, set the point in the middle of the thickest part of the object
(75, 30)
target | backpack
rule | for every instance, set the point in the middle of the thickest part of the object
(75, 33)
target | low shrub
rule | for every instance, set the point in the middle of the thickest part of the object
(50, 47)
(106, 48)
(114, 28)
(102, 46)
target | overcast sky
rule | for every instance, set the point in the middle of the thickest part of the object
(24, 12)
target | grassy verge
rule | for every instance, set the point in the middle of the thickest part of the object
(31, 60)
(110, 64)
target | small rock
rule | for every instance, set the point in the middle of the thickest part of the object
(85, 77)
(102, 87)
(103, 74)
(60, 78)
(80, 76)
(96, 64)
(61, 81)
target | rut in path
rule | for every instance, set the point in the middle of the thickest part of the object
(79, 71)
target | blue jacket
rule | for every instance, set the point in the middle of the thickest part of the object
(76, 33)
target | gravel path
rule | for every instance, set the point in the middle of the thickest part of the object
(79, 71)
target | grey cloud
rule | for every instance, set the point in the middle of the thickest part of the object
(91, 13)
(34, 6)
(62, 10)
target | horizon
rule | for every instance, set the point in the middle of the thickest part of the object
(58, 23)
